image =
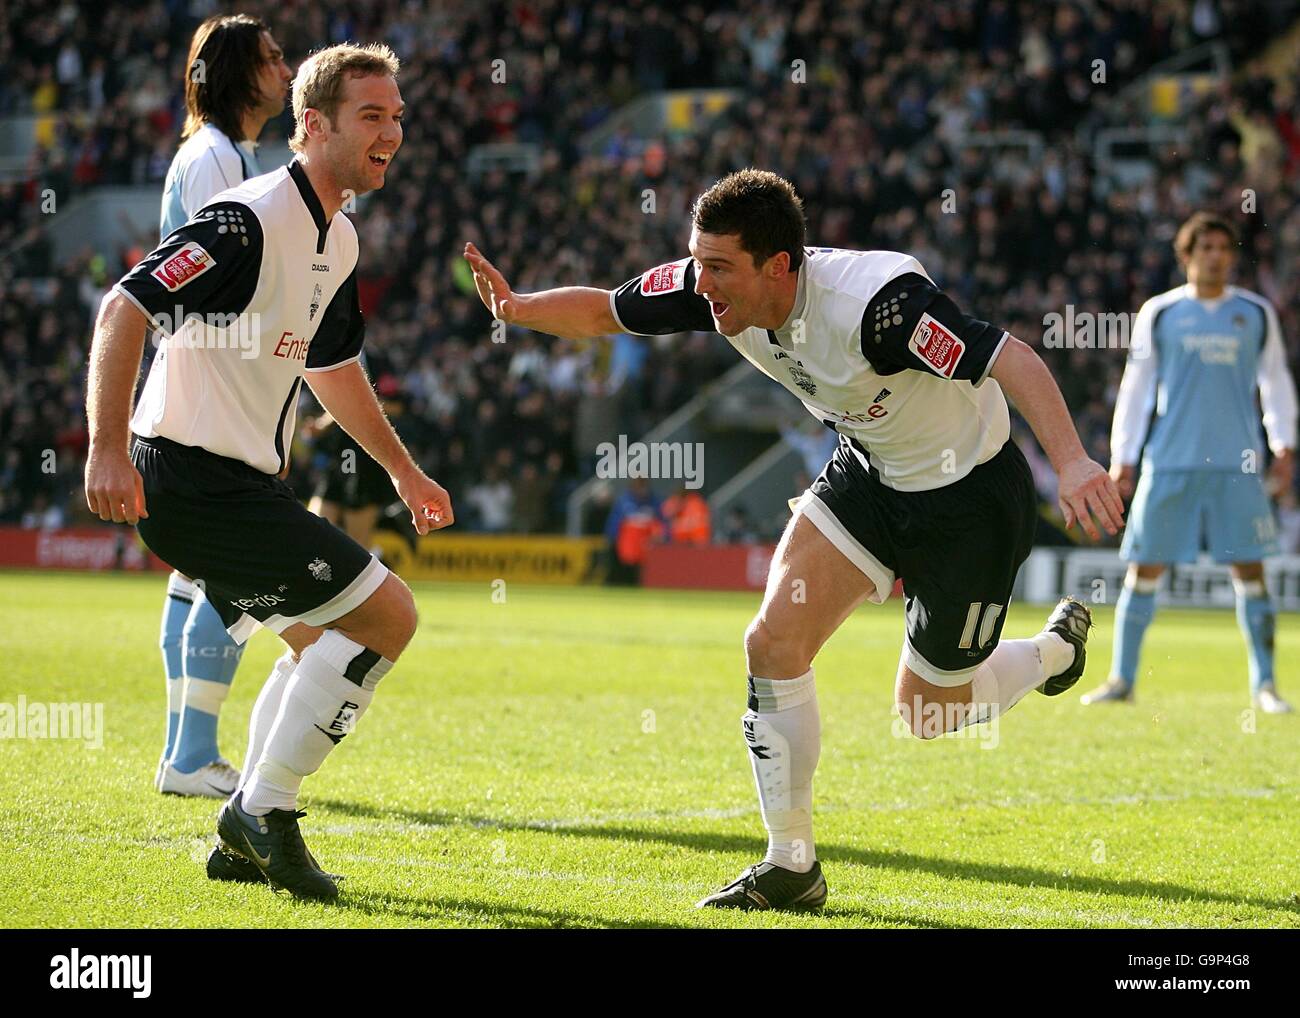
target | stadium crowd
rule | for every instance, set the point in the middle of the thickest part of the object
(863, 105)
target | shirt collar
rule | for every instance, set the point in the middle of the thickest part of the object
(800, 300)
(312, 201)
(1209, 303)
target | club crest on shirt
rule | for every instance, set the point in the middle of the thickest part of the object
(935, 345)
(315, 303)
(186, 265)
(802, 378)
(320, 570)
(664, 279)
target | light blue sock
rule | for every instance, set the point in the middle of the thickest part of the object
(1133, 613)
(1257, 619)
(176, 609)
(211, 657)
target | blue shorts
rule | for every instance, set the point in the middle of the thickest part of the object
(1177, 515)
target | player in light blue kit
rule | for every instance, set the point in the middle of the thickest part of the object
(1187, 405)
(236, 79)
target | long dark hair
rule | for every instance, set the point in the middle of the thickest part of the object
(221, 73)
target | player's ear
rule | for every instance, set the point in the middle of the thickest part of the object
(778, 265)
(313, 121)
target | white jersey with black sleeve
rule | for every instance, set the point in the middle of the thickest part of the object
(872, 348)
(255, 290)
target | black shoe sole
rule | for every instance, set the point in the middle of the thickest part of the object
(226, 866)
(1058, 684)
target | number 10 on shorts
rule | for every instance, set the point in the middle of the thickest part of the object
(989, 619)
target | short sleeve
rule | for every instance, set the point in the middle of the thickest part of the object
(661, 301)
(911, 323)
(210, 265)
(342, 330)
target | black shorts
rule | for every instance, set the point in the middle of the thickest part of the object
(957, 550)
(251, 546)
(366, 484)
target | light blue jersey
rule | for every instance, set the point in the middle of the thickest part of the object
(1187, 406)
(1187, 401)
(205, 165)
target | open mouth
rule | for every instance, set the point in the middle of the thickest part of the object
(380, 158)
(718, 308)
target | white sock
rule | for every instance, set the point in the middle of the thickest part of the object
(264, 712)
(323, 701)
(1012, 670)
(782, 731)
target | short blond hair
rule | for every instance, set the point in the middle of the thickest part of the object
(319, 82)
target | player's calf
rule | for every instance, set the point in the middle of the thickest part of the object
(935, 703)
(777, 655)
(330, 690)
(323, 702)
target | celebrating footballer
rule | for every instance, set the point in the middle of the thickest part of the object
(925, 485)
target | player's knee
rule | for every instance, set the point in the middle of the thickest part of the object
(386, 621)
(774, 654)
(402, 616)
(1247, 572)
(927, 711)
(1144, 571)
(918, 716)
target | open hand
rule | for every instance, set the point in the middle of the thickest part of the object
(493, 289)
(1086, 490)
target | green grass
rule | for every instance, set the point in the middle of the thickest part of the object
(504, 776)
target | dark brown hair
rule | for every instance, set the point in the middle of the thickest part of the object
(760, 206)
(1200, 223)
(221, 74)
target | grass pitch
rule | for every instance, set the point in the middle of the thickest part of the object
(573, 757)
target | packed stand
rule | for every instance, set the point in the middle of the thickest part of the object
(512, 426)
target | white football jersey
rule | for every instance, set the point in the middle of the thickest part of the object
(252, 292)
(207, 163)
(872, 348)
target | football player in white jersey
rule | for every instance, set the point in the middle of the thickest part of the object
(255, 292)
(235, 80)
(925, 485)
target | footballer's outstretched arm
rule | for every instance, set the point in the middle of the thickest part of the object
(114, 488)
(572, 312)
(1085, 487)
